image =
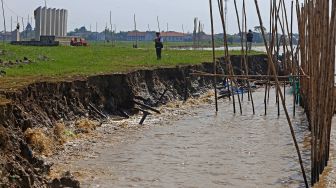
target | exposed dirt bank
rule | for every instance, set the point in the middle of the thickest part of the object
(31, 112)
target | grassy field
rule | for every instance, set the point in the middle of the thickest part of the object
(149, 44)
(65, 62)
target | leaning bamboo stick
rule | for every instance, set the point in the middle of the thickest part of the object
(282, 98)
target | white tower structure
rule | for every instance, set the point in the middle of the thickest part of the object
(50, 22)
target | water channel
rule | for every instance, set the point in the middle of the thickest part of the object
(189, 145)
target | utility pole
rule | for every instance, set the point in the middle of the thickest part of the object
(136, 33)
(4, 20)
(45, 3)
(11, 23)
(23, 28)
(96, 31)
(112, 41)
(28, 23)
(114, 34)
(158, 22)
(106, 28)
(167, 37)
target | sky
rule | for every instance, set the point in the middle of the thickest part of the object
(175, 13)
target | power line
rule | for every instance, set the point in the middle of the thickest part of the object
(11, 10)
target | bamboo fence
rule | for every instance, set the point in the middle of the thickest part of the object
(312, 65)
(316, 21)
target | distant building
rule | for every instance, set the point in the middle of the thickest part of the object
(6, 36)
(140, 36)
(29, 28)
(170, 36)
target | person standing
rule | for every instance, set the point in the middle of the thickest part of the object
(158, 45)
(249, 38)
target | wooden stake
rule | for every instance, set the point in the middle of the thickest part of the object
(213, 54)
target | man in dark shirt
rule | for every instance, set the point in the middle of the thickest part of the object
(158, 45)
(249, 38)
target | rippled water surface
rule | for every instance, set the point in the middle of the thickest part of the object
(199, 148)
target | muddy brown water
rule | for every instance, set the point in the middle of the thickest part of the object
(191, 146)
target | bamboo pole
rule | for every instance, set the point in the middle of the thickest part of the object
(270, 43)
(226, 52)
(317, 54)
(250, 95)
(281, 96)
(213, 54)
(293, 59)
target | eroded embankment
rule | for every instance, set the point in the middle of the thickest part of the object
(43, 104)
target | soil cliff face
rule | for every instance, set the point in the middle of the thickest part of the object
(41, 105)
(44, 103)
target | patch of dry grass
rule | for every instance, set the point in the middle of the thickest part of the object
(46, 142)
(59, 133)
(39, 141)
(86, 125)
(207, 97)
(123, 124)
(193, 102)
(174, 104)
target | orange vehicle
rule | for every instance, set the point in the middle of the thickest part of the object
(75, 42)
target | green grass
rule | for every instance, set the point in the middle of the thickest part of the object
(149, 44)
(64, 62)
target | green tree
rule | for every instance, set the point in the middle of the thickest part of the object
(258, 29)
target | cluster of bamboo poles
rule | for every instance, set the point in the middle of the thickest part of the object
(312, 64)
(279, 23)
(317, 28)
(228, 73)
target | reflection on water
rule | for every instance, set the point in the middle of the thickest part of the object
(202, 149)
(235, 48)
(255, 48)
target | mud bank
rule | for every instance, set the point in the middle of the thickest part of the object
(43, 104)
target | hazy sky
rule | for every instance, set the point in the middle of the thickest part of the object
(173, 12)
